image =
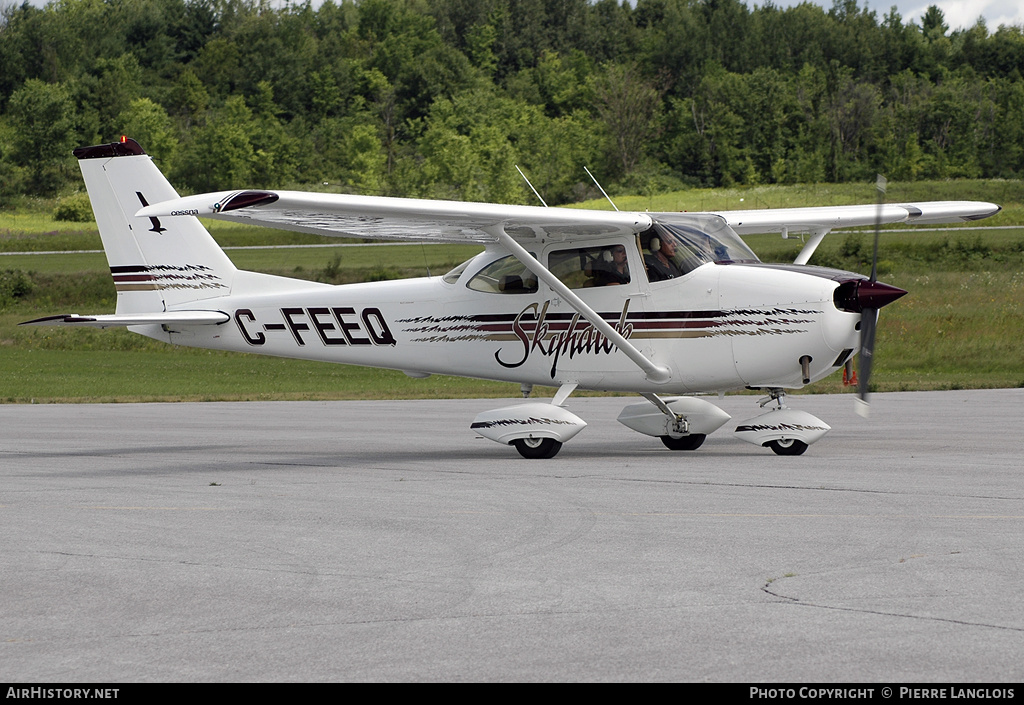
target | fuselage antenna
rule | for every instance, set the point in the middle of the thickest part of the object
(530, 185)
(602, 190)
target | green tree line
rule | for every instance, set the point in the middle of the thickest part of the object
(443, 98)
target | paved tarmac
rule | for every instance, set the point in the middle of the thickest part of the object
(381, 540)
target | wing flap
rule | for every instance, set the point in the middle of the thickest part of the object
(383, 218)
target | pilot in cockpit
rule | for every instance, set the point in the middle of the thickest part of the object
(660, 263)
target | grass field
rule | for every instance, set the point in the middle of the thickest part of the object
(959, 328)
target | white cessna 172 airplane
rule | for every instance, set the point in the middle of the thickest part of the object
(666, 305)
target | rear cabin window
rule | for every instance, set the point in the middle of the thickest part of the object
(586, 267)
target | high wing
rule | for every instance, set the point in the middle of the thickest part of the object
(421, 220)
(383, 218)
(773, 220)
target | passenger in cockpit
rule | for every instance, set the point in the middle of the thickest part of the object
(613, 269)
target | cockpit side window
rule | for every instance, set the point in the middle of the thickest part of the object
(667, 256)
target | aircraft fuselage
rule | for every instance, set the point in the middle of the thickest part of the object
(719, 327)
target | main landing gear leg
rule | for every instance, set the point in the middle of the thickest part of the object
(677, 427)
(681, 423)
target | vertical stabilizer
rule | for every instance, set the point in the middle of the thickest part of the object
(156, 265)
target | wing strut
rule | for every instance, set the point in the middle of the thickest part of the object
(817, 235)
(655, 373)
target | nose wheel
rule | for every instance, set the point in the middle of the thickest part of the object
(789, 446)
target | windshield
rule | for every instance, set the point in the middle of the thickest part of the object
(453, 276)
(707, 238)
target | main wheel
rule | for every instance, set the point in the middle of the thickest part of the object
(790, 446)
(537, 448)
(691, 442)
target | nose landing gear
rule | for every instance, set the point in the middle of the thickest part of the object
(786, 431)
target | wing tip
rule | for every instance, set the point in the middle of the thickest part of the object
(987, 214)
(246, 199)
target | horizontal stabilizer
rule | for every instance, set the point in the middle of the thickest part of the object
(192, 318)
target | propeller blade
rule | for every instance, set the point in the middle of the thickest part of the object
(868, 321)
(880, 184)
(869, 314)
